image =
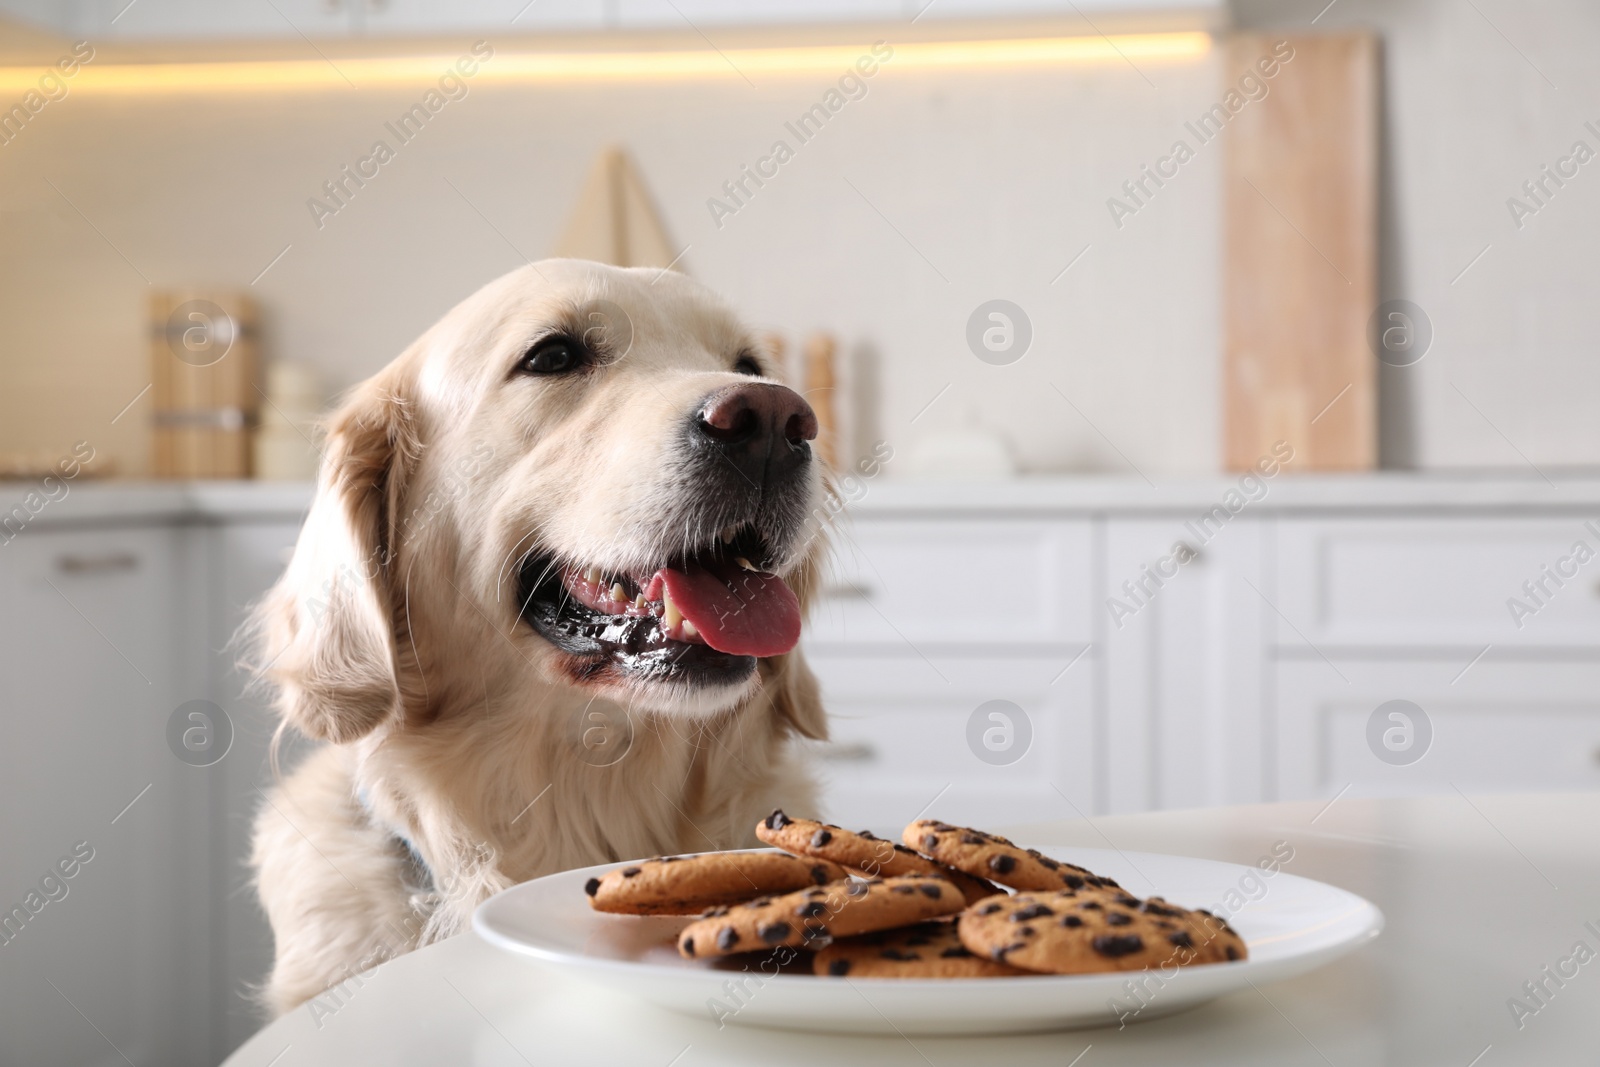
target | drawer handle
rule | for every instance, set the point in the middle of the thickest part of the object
(850, 752)
(847, 591)
(113, 561)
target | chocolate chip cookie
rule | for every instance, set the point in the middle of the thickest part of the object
(861, 851)
(1078, 931)
(993, 857)
(687, 885)
(811, 916)
(926, 950)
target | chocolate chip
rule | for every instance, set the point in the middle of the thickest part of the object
(1127, 901)
(931, 891)
(629, 872)
(1000, 953)
(989, 909)
(896, 954)
(1026, 931)
(1091, 905)
(856, 889)
(1048, 862)
(956, 953)
(1154, 908)
(838, 968)
(688, 946)
(811, 909)
(727, 937)
(1181, 939)
(819, 875)
(1072, 881)
(1032, 911)
(814, 931)
(867, 835)
(777, 820)
(1002, 864)
(772, 933)
(930, 842)
(820, 838)
(1114, 945)
(902, 889)
(972, 839)
(1233, 953)
(592, 886)
(1117, 918)
(1071, 920)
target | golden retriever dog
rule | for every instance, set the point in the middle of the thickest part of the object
(542, 613)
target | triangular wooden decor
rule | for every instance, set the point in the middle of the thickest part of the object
(614, 220)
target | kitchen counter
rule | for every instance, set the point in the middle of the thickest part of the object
(1052, 495)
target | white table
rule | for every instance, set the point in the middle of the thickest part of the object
(1481, 893)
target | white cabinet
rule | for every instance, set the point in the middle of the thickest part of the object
(245, 558)
(1501, 725)
(952, 658)
(926, 586)
(1183, 665)
(985, 740)
(1404, 582)
(95, 642)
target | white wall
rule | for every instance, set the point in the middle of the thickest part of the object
(999, 178)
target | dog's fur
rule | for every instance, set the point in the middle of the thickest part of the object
(450, 725)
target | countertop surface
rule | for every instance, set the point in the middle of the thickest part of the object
(883, 496)
(1481, 894)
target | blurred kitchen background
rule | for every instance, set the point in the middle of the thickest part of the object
(1259, 469)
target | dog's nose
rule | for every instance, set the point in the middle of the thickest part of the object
(762, 428)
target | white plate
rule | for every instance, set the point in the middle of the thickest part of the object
(1292, 926)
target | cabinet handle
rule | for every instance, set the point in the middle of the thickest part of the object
(113, 561)
(847, 591)
(850, 752)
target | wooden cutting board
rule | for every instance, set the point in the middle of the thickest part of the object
(1300, 255)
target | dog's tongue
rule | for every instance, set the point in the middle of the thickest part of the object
(740, 612)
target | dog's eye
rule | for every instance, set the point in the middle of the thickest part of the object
(553, 355)
(747, 365)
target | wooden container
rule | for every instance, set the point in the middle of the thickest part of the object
(204, 367)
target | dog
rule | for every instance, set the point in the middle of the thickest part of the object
(542, 614)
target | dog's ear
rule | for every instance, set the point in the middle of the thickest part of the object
(325, 634)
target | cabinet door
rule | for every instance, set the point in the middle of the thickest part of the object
(949, 585)
(914, 738)
(246, 558)
(92, 673)
(1502, 724)
(1183, 665)
(1432, 583)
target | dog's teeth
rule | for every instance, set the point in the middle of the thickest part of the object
(592, 575)
(746, 564)
(618, 594)
(640, 603)
(670, 617)
(688, 629)
(728, 534)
